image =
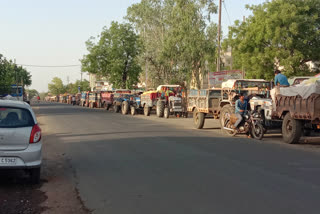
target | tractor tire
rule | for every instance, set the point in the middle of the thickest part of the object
(108, 107)
(133, 111)
(160, 108)
(166, 112)
(125, 107)
(291, 129)
(226, 111)
(116, 108)
(146, 111)
(198, 119)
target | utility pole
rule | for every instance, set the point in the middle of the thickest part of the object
(219, 36)
(146, 65)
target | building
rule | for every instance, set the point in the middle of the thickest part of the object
(99, 83)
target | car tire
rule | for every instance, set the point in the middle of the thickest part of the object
(35, 175)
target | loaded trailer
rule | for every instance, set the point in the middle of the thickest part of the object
(218, 102)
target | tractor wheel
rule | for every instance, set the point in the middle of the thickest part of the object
(166, 112)
(125, 107)
(133, 110)
(198, 119)
(160, 108)
(291, 129)
(146, 111)
(108, 107)
(115, 108)
(225, 112)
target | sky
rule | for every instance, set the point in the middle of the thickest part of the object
(53, 32)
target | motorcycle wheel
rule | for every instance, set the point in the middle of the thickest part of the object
(257, 131)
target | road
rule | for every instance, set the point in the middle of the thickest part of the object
(139, 165)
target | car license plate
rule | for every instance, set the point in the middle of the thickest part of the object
(8, 161)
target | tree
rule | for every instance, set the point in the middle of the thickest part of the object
(56, 86)
(10, 74)
(32, 93)
(115, 55)
(279, 33)
(178, 38)
(72, 88)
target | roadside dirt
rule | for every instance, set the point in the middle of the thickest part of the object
(57, 191)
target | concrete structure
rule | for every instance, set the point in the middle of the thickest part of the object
(99, 83)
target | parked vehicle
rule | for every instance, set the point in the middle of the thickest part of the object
(107, 99)
(297, 80)
(83, 100)
(135, 105)
(250, 125)
(295, 108)
(20, 138)
(148, 101)
(95, 100)
(121, 103)
(216, 103)
(170, 102)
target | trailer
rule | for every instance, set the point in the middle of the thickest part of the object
(107, 99)
(217, 103)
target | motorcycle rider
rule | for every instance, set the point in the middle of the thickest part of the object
(240, 109)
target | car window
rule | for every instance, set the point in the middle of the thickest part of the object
(11, 117)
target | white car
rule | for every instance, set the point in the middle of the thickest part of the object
(20, 138)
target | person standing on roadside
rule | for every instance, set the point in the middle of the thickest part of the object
(280, 79)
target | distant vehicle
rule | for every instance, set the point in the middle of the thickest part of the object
(297, 80)
(20, 138)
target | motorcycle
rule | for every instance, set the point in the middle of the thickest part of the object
(251, 124)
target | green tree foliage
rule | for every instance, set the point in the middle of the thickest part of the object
(32, 93)
(178, 38)
(10, 74)
(72, 88)
(285, 32)
(114, 55)
(56, 86)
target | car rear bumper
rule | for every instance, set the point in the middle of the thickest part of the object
(28, 158)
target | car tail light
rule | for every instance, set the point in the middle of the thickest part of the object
(35, 135)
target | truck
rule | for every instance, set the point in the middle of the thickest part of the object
(216, 103)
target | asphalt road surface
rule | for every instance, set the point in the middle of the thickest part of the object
(139, 165)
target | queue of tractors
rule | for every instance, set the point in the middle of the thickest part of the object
(294, 116)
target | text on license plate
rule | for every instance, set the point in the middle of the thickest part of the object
(8, 161)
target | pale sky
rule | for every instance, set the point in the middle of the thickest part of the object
(53, 32)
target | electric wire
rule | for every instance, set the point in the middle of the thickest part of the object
(49, 66)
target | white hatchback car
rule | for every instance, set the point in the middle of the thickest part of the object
(20, 138)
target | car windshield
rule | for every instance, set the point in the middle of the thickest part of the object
(11, 117)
